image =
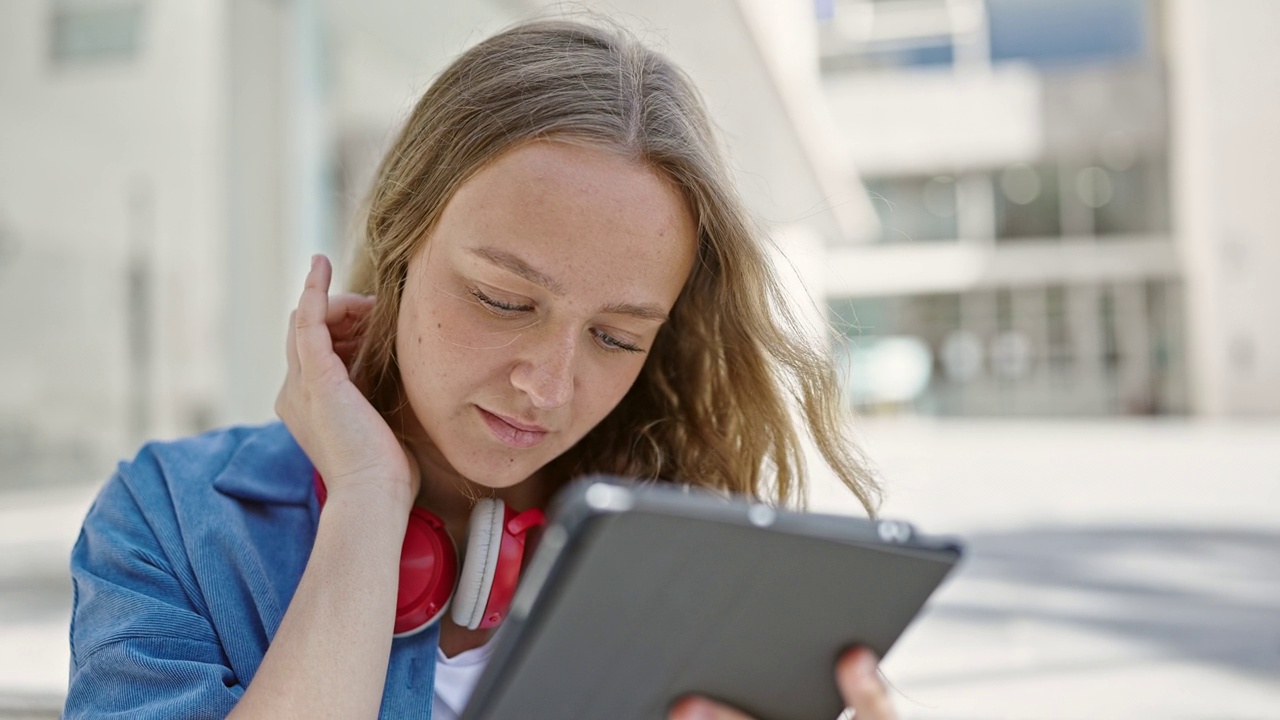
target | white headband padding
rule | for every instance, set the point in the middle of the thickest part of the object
(481, 563)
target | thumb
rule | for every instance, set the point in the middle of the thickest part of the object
(857, 676)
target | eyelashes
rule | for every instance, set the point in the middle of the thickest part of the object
(614, 343)
(497, 306)
(511, 310)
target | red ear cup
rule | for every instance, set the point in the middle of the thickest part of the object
(500, 539)
(428, 573)
(428, 569)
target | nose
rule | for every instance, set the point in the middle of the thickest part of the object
(545, 371)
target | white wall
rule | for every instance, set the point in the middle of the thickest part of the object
(1226, 150)
(929, 121)
(105, 162)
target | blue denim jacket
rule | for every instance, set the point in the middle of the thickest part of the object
(182, 573)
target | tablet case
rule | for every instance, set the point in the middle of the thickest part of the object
(638, 595)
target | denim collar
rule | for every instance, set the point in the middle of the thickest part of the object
(269, 467)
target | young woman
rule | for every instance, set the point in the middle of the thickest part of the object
(556, 278)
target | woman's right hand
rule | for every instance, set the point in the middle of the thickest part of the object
(330, 654)
(347, 440)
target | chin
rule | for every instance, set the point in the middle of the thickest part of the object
(500, 474)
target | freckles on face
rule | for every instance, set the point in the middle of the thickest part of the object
(533, 304)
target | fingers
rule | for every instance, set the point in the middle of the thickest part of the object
(857, 676)
(323, 325)
(700, 708)
(347, 314)
(311, 331)
(347, 319)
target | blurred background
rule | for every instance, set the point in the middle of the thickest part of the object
(1044, 230)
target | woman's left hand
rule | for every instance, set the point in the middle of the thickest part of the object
(856, 676)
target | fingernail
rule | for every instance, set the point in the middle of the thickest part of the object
(315, 260)
(867, 664)
(696, 709)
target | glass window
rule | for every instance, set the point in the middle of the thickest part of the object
(1064, 32)
(84, 31)
(1057, 328)
(1136, 200)
(1027, 202)
(915, 208)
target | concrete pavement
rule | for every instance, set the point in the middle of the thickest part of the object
(37, 528)
(1116, 569)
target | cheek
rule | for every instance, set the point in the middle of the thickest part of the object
(606, 388)
(458, 326)
(446, 327)
(422, 349)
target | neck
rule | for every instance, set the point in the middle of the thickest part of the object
(450, 495)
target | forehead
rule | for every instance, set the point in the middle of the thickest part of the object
(580, 214)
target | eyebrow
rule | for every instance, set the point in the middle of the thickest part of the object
(510, 262)
(515, 264)
(644, 312)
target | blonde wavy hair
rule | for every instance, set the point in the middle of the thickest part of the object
(728, 375)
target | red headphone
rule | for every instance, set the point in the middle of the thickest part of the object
(429, 565)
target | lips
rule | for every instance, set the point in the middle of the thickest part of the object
(513, 432)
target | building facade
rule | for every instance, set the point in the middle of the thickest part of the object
(1040, 169)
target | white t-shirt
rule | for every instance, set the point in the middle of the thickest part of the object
(456, 677)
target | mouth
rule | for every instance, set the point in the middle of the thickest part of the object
(512, 432)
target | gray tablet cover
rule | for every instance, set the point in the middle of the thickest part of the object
(688, 594)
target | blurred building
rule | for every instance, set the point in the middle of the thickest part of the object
(166, 169)
(1019, 206)
(1074, 206)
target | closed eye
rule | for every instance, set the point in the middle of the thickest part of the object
(505, 309)
(498, 307)
(612, 343)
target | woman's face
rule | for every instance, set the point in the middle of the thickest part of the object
(530, 309)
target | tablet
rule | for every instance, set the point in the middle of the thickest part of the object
(640, 594)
